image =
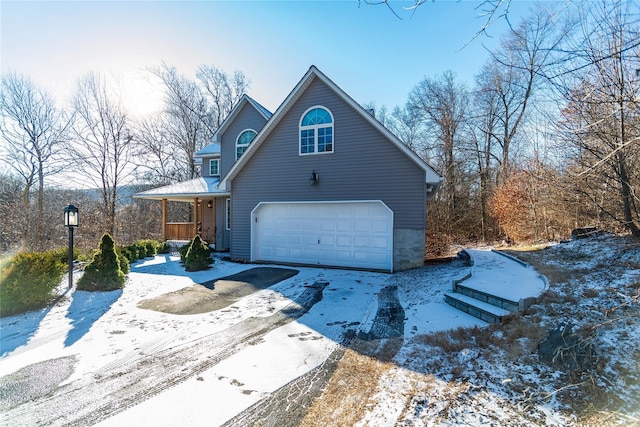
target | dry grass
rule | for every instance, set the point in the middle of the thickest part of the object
(615, 312)
(344, 400)
(501, 361)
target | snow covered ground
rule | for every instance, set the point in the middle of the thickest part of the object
(104, 329)
(441, 375)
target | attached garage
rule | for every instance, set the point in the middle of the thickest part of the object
(355, 234)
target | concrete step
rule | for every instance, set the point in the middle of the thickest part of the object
(513, 306)
(482, 310)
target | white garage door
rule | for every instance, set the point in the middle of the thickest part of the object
(341, 234)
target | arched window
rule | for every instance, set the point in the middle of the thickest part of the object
(316, 131)
(243, 141)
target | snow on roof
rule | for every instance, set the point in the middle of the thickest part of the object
(213, 148)
(186, 190)
(263, 110)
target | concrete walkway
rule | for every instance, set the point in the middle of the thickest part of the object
(501, 275)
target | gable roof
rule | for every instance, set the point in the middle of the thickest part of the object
(431, 176)
(244, 99)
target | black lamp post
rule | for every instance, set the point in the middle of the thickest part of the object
(71, 221)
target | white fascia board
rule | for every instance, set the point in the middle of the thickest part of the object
(267, 128)
(234, 112)
(431, 176)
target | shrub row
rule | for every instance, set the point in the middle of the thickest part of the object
(28, 279)
(142, 249)
(110, 264)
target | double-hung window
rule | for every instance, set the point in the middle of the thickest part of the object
(244, 139)
(316, 131)
(214, 167)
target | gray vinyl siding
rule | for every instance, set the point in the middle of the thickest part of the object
(364, 166)
(247, 118)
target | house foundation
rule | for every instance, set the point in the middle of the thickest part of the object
(408, 249)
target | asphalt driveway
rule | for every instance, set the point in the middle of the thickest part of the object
(217, 293)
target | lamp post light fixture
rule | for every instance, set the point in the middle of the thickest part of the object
(71, 221)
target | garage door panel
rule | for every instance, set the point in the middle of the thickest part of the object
(328, 211)
(294, 225)
(379, 243)
(362, 211)
(379, 227)
(361, 226)
(294, 240)
(309, 240)
(344, 241)
(344, 226)
(326, 225)
(378, 258)
(280, 252)
(327, 240)
(349, 234)
(361, 241)
(362, 257)
(310, 254)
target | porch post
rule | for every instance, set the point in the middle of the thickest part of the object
(164, 220)
(195, 216)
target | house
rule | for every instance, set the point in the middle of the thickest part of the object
(318, 182)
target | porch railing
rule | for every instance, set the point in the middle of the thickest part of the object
(179, 231)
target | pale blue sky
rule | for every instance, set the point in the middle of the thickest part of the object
(366, 50)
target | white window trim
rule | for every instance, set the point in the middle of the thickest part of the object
(211, 163)
(227, 213)
(315, 133)
(243, 145)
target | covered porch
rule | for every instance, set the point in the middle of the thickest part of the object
(206, 201)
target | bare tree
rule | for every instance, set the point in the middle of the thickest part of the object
(517, 69)
(196, 108)
(104, 141)
(602, 113)
(222, 90)
(482, 135)
(11, 225)
(188, 120)
(407, 123)
(33, 130)
(488, 11)
(443, 105)
(159, 163)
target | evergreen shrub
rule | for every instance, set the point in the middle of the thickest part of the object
(28, 279)
(164, 248)
(124, 260)
(182, 250)
(103, 273)
(151, 247)
(198, 256)
(141, 248)
(126, 251)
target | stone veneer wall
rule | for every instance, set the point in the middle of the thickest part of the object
(408, 249)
